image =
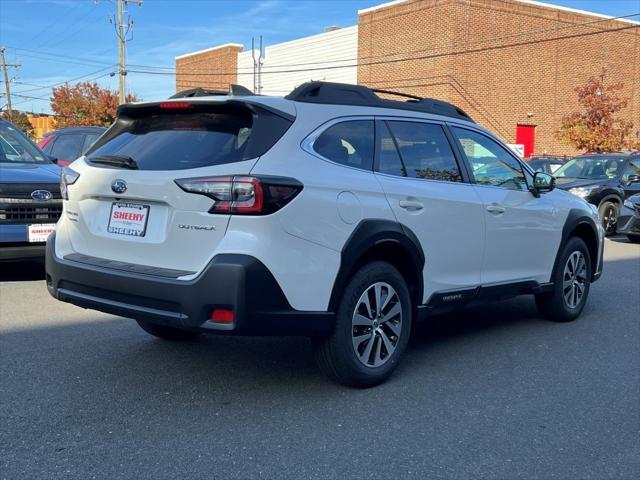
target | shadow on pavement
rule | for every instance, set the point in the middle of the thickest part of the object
(22, 271)
(621, 239)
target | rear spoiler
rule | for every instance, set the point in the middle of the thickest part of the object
(234, 91)
(198, 104)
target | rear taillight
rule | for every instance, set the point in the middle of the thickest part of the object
(244, 195)
(67, 177)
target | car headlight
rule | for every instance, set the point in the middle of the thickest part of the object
(628, 204)
(582, 192)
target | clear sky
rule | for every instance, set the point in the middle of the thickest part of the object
(60, 40)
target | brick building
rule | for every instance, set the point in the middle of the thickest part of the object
(511, 64)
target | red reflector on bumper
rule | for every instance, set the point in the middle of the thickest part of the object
(222, 315)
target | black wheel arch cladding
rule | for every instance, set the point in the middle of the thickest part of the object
(377, 236)
(580, 225)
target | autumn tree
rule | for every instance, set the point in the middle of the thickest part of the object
(597, 128)
(20, 120)
(85, 104)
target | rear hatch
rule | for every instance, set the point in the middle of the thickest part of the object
(126, 205)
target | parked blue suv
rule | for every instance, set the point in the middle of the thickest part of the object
(30, 201)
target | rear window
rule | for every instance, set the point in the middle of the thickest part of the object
(179, 141)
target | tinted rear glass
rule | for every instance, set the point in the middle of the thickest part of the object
(68, 146)
(181, 141)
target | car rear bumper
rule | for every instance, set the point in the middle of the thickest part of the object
(237, 282)
(14, 243)
(21, 251)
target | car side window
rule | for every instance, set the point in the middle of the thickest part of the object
(349, 143)
(68, 147)
(633, 169)
(424, 151)
(490, 162)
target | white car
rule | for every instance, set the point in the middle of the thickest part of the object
(331, 213)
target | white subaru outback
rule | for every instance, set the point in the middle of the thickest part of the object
(332, 213)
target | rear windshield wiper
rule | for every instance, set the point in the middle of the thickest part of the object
(116, 161)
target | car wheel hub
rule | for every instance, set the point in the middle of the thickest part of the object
(574, 279)
(376, 324)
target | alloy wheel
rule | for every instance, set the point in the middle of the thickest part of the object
(376, 324)
(609, 218)
(574, 279)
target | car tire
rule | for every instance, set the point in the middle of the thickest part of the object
(366, 344)
(608, 212)
(634, 238)
(167, 333)
(571, 281)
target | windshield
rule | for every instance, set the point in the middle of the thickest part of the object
(16, 148)
(592, 168)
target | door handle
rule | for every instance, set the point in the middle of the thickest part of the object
(410, 205)
(496, 209)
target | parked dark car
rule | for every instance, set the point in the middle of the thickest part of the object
(546, 164)
(604, 180)
(30, 200)
(629, 219)
(67, 144)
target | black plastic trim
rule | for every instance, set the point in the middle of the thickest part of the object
(235, 281)
(441, 302)
(367, 235)
(127, 267)
(17, 252)
(360, 95)
(575, 218)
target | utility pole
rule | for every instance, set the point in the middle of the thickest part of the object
(122, 31)
(7, 88)
(121, 62)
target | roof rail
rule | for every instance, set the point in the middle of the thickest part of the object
(234, 91)
(346, 94)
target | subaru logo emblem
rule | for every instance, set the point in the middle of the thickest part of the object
(41, 195)
(119, 186)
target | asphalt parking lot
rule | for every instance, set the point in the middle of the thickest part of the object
(492, 392)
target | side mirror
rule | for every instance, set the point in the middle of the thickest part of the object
(633, 179)
(542, 182)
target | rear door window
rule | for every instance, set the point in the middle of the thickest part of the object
(423, 150)
(67, 146)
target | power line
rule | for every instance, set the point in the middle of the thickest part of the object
(46, 55)
(30, 97)
(465, 43)
(73, 79)
(406, 59)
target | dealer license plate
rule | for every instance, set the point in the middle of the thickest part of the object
(38, 233)
(128, 219)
